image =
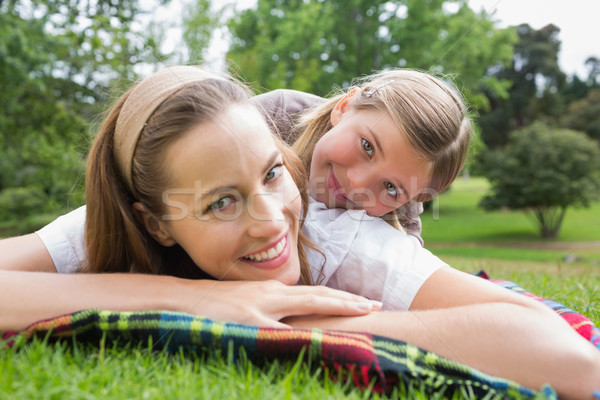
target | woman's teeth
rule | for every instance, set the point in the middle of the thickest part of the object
(269, 254)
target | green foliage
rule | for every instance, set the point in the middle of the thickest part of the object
(199, 22)
(536, 84)
(18, 201)
(57, 60)
(584, 115)
(314, 45)
(543, 170)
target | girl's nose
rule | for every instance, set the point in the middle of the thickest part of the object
(266, 216)
(361, 180)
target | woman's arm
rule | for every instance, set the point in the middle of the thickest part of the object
(26, 297)
(25, 253)
(470, 320)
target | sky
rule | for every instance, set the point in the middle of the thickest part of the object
(578, 20)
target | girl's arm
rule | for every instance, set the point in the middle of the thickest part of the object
(475, 322)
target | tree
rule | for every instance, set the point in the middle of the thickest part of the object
(543, 171)
(536, 86)
(584, 115)
(313, 45)
(593, 65)
(58, 59)
(200, 20)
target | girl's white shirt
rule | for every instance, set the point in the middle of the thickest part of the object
(366, 256)
(359, 254)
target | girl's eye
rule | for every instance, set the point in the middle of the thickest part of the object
(274, 173)
(221, 203)
(367, 147)
(391, 189)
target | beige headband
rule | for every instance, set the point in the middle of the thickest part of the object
(140, 105)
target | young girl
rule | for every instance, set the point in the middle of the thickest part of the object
(366, 148)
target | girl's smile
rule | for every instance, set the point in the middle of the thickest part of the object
(335, 188)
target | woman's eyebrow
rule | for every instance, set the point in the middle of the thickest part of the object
(222, 188)
(271, 161)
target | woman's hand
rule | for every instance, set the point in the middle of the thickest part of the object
(266, 303)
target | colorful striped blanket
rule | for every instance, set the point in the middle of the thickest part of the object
(370, 361)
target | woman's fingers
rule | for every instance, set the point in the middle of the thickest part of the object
(306, 300)
(266, 303)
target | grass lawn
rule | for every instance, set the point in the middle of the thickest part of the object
(456, 218)
(505, 244)
(42, 370)
(455, 226)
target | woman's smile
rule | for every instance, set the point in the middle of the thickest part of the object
(271, 257)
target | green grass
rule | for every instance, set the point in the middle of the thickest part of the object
(66, 370)
(505, 244)
(456, 218)
(455, 226)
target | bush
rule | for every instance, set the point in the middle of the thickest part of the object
(18, 202)
(543, 170)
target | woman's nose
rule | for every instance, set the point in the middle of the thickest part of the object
(265, 211)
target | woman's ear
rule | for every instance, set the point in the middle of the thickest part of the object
(341, 107)
(154, 227)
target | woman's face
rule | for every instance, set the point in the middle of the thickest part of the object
(365, 162)
(232, 205)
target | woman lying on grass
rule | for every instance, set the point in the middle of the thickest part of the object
(185, 179)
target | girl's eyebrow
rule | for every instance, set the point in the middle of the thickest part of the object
(380, 149)
(376, 140)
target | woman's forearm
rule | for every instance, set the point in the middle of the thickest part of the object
(501, 339)
(26, 297)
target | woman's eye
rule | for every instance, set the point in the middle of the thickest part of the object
(391, 189)
(221, 203)
(274, 172)
(367, 147)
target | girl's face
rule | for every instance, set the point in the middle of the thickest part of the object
(365, 162)
(232, 205)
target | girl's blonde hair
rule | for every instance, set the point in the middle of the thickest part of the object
(116, 239)
(430, 111)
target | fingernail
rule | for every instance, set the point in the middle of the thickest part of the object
(364, 306)
(377, 305)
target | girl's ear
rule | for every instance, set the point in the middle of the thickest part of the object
(155, 228)
(341, 107)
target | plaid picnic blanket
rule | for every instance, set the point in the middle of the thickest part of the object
(379, 363)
